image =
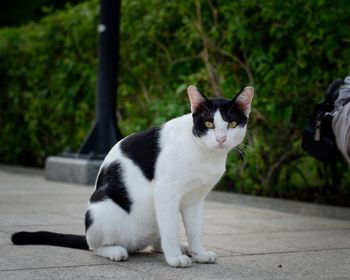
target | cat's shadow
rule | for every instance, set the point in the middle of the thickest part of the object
(147, 256)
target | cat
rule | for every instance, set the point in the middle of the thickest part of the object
(149, 177)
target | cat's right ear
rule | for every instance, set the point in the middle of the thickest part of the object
(244, 100)
(196, 98)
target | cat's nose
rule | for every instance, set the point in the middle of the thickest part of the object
(221, 139)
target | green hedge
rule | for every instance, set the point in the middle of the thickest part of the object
(289, 50)
(47, 85)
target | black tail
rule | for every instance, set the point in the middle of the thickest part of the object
(50, 238)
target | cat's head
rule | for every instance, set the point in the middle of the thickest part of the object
(220, 124)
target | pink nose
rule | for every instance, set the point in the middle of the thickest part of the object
(221, 140)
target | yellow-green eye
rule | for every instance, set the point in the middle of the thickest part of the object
(209, 125)
(232, 124)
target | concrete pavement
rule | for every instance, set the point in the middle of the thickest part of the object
(251, 243)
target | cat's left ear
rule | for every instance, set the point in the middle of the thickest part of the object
(196, 98)
(244, 100)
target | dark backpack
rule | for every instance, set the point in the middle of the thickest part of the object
(318, 138)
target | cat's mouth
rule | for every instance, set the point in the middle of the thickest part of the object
(221, 146)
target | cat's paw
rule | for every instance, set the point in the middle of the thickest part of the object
(205, 257)
(179, 261)
(119, 254)
(114, 253)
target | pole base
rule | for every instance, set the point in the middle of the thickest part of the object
(101, 138)
(72, 170)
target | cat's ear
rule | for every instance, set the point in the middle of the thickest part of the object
(244, 99)
(196, 98)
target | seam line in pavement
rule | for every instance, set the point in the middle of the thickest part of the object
(52, 267)
(286, 252)
(277, 231)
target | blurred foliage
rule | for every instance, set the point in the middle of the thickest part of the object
(289, 51)
(47, 84)
(14, 13)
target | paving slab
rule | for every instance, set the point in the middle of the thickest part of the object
(78, 228)
(74, 204)
(276, 242)
(260, 226)
(86, 272)
(35, 218)
(231, 219)
(38, 256)
(4, 238)
(305, 265)
(325, 264)
(251, 243)
(303, 208)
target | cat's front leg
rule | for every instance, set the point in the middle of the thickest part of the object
(193, 219)
(167, 212)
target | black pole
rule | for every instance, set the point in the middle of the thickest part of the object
(105, 133)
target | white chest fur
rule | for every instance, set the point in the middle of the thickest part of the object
(183, 163)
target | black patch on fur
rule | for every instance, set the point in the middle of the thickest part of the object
(143, 149)
(110, 185)
(50, 238)
(229, 111)
(88, 220)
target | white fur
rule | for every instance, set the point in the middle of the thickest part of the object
(187, 169)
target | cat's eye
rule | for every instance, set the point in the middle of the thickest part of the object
(209, 124)
(232, 124)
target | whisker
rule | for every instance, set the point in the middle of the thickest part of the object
(238, 150)
(242, 148)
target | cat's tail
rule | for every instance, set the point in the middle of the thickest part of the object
(50, 238)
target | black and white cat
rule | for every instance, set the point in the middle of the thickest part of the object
(149, 177)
